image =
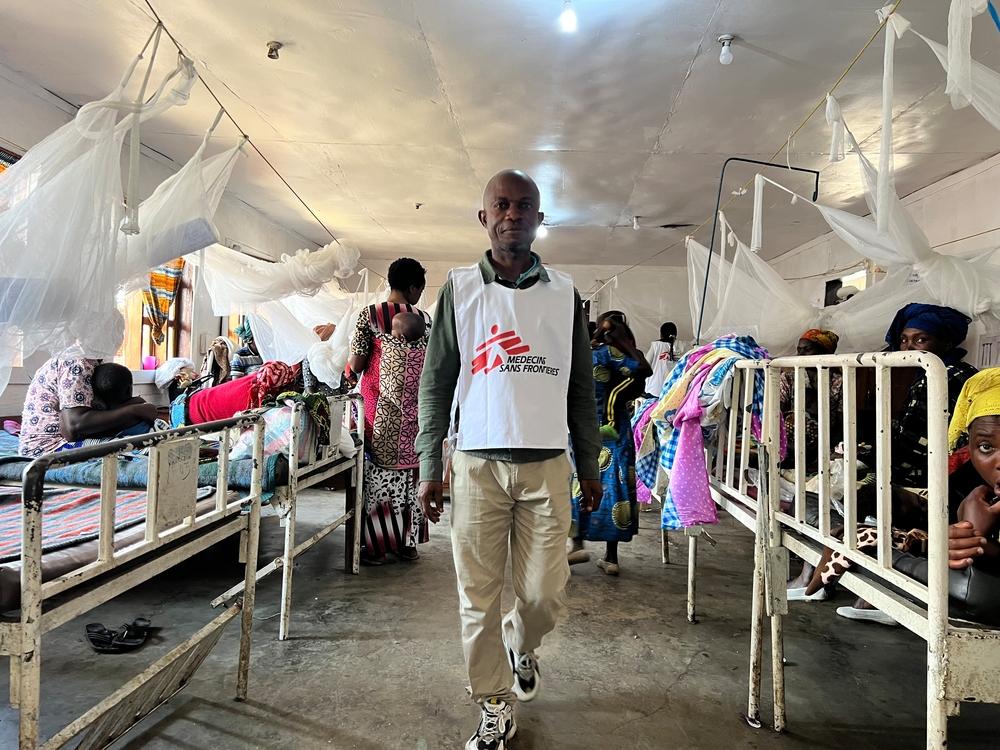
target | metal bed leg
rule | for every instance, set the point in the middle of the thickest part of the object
(937, 706)
(355, 505)
(15, 681)
(287, 568)
(250, 575)
(664, 547)
(778, 671)
(692, 565)
(756, 640)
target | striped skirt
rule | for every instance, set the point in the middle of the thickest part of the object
(394, 518)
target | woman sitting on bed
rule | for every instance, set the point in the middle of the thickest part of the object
(72, 400)
(973, 549)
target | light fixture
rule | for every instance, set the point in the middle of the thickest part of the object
(635, 223)
(272, 50)
(726, 55)
(542, 232)
(567, 19)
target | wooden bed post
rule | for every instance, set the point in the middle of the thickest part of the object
(29, 681)
(288, 556)
(250, 576)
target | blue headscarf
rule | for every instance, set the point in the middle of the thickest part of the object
(943, 322)
(244, 333)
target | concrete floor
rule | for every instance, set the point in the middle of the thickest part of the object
(375, 662)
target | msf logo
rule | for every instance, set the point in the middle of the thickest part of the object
(493, 352)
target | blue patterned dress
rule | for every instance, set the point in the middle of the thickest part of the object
(617, 520)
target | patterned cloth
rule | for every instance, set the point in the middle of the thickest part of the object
(270, 380)
(244, 362)
(58, 384)
(643, 493)
(703, 375)
(825, 340)
(617, 518)
(157, 299)
(909, 441)
(389, 386)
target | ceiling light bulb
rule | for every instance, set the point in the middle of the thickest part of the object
(567, 20)
(726, 54)
(542, 232)
(635, 223)
(272, 50)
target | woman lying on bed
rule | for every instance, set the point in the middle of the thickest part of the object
(72, 401)
(973, 549)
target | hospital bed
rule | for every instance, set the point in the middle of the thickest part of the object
(126, 550)
(961, 656)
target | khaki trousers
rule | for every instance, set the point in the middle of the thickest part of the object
(498, 506)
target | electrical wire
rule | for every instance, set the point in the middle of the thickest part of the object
(243, 133)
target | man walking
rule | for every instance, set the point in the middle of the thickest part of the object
(511, 337)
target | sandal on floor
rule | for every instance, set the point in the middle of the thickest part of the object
(609, 568)
(101, 639)
(867, 615)
(372, 561)
(133, 634)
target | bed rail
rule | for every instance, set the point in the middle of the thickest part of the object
(173, 531)
(957, 653)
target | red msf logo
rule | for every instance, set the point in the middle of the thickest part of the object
(494, 351)
(663, 356)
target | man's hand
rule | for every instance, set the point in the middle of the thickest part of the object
(591, 492)
(964, 545)
(144, 412)
(432, 500)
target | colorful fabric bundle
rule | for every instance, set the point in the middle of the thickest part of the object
(157, 299)
(693, 400)
(270, 380)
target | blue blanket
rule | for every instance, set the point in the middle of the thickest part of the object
(133, 471)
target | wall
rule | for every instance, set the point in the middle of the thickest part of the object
(29, 114)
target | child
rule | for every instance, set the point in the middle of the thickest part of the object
(408, 326)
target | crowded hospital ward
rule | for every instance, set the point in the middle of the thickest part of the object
(534, 375)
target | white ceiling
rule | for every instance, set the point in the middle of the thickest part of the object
(376, 106)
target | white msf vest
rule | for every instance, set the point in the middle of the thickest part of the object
(516, 349)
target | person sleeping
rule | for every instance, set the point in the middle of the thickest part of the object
(63, 408)
(408, 326)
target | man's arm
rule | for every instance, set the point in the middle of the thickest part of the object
(581, 407)
(437, 386)
(82, 422)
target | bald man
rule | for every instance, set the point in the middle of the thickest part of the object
(510, 338)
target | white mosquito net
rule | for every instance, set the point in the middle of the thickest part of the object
(889, 236)
(62, 254)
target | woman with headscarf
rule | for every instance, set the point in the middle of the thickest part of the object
(247, 359)
(941, 331)
(811, 343)
(620, 370)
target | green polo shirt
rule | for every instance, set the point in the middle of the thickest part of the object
(440, 378)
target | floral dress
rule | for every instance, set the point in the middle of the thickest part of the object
(617, 519)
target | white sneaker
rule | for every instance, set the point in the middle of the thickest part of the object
(867, 615)
(527, 679)
(799, 595)
(496, 727)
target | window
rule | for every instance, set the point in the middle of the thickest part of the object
(842, 289)
(139, 333)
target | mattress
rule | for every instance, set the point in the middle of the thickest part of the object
(133, 471)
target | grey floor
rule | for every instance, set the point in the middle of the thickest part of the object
(375, 662)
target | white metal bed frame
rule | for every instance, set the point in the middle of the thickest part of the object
(174, 531)
(326, 465)
(961, 656)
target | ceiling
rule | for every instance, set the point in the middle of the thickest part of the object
(375, 107)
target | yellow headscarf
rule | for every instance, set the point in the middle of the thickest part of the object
(980, 397)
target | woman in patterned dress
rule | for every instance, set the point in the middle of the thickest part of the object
(620, 372)
(390, 377)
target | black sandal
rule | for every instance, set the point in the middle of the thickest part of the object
(127, 638)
